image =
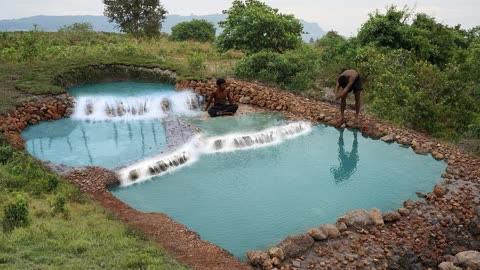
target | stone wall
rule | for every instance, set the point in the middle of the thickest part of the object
(114, 72)
(40, 108)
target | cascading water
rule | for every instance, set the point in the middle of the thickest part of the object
(190, 152)
(146, 107)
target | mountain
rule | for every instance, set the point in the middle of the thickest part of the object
(100, 23)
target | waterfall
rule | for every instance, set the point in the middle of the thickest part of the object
(98, 108)
(191, 151)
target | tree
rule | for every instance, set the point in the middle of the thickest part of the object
(137, 17)
(253, 26)
(387, 30)
(77, 27)
(199, 30)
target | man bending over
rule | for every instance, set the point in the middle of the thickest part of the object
(219, 98)
(350, 81)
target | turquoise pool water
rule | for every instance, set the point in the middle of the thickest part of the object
(108, 144)
(224, 125)
(253, 199)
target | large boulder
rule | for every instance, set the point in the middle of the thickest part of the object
(317, 234)
(469, 259)
(357, 219)
(376, 217)
(296, 245)
(276, 252)
(257, 257)
(391, 216)
(331, 230)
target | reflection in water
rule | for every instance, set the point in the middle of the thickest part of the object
(84, 136)
(348, 161)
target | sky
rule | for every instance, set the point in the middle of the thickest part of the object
(345, 16)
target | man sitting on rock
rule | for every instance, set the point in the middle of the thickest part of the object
(219, 97)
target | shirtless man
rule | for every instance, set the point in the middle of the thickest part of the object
(219, 98)
(350, 81)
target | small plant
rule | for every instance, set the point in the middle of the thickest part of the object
(6, 153)
(16, 214)
(59, 205)
(196, 61)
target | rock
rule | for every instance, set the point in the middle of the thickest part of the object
(276, 261)
(245, 100)
(439, 191)
(276, 252)
(438, 156)
(376, 217)
(341, 226)
(403, 211)
(257, 257)
(469, 258)
(331, 230)
(321, 116)
(391, 216)
(317, 234)
(448, 266)
(267, 264)
(296, 245)
(388, 138)
(359, 218)
(296, 264)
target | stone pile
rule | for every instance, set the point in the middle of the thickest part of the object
(41, 109)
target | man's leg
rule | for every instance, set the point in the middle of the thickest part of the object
(213, 111)
(232, 108)
(357, 105)
(343, 105)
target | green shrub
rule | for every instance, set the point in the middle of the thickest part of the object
(198, 30)
(16, 214)
(295, 69)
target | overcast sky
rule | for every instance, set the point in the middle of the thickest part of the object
(343, 16)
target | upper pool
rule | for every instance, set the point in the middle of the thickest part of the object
(113, 124)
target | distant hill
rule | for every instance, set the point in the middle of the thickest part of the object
(100, 23)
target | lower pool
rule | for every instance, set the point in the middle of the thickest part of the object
(253, 199)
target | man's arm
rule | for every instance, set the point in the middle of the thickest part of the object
(210, 98)
(349, 85)
(229, 97)
(337, 87)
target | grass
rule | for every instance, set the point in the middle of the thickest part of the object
(75, 234)
(29, 61)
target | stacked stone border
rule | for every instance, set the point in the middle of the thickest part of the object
(422, 234)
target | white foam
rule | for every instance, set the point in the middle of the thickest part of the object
(191, 151)
(99, 108)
